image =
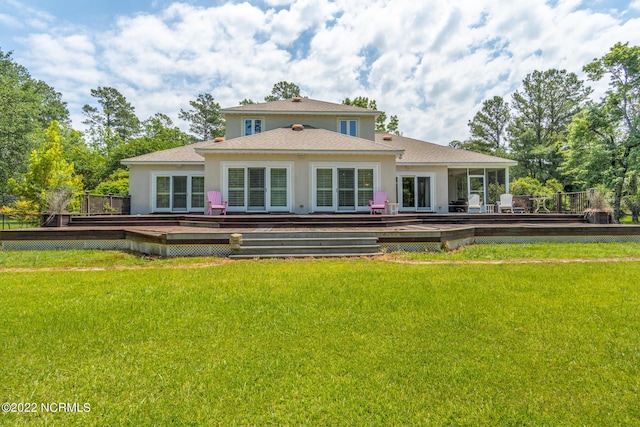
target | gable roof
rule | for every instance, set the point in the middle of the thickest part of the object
(418, 152)
(304, 106)
(309, 140)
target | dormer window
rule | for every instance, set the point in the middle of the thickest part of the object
(348, 127)
(252, 126)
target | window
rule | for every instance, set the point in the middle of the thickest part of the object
(349, 127)
(252, 126)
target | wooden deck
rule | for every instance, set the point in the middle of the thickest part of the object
(184, 235)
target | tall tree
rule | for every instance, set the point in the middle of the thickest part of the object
(604, 142)
(114, 121)
(283, 90)
(382, 125)
(27, 106)
(205, 120)
(543, 108)
(488, 127)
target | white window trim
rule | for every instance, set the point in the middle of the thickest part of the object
(171, 174)
(432, 189)
(243, 131)
(349, 119)
(225, 166)
(335, 166)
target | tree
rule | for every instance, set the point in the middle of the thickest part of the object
(115, 121)
(604, 139)
(205, 120)
(47, 172)
(27, 106)
(159, 134)
(382, 126)
(542, 111)
(488, 127)
(283, 90)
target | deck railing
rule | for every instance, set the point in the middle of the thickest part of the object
(100, 204)
(562, 203)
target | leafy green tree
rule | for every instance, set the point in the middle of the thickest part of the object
(27, 106)
(488, 127)
(382, 126)
(116, 184)
(283, 90)
(604, 140)
(159, 134)
(47, 172)
(205, 120)
(114, 121)
(543, 109)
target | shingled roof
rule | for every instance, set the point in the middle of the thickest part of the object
(426, 153)
(299, 106)
(309, 140)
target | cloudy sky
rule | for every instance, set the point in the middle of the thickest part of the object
(431, 62)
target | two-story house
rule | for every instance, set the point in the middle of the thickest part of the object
(308, 156)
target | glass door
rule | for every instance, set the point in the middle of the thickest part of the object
(257, 189)
(346, 189)
(408, 193)
(179, 197)
(423, 190)
(324, 189)
(415, 193)
(476, 186)
(278, 199)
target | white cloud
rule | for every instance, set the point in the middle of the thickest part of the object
(431, 63)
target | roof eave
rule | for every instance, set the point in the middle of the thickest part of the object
(161, 162)
(336, 152)
(301, 113)
(460, 164)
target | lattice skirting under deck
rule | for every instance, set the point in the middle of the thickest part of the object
(143, 247)
(557, 239)
(41, 245)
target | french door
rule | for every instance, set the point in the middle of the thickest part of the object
(343, 189)
(178, 193)
(415, 192)
(258, 189)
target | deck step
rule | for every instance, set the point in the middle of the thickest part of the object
(313, 245)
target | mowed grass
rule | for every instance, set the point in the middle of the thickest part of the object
(325, 342)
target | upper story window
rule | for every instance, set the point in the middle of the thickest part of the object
(252, 126)
(349, 127)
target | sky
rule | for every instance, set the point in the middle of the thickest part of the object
(430, 62)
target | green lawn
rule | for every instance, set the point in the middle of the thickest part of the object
(324, 342)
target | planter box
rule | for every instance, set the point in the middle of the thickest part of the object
(55, 220)
(601, 217)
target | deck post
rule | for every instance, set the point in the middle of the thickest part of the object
(235, 241)
(559, 202)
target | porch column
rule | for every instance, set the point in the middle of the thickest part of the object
(506, 180)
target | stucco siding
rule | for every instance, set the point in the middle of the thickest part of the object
(235, 123)
(301, 170)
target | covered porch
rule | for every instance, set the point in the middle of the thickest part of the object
(486, 182)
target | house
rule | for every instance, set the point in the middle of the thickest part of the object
(308, 156)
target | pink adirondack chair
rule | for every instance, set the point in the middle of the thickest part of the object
(379, 202)
(216, 203)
